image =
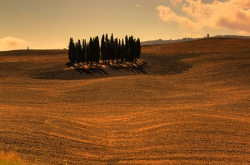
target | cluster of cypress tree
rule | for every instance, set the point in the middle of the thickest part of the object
(120, 50)
(115, 50)
(84, 52)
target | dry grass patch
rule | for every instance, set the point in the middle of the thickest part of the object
(11, 159)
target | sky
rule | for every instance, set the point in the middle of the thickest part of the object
(48, 24)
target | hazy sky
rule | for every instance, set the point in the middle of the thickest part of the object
(42, 24)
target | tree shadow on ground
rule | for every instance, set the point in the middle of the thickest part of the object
(150, 65)
(137, 67)
(91, 71)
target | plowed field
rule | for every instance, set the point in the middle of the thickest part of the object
(185, 103)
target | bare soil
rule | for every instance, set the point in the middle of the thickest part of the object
(184, 103)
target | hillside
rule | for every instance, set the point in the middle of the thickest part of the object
(183, 103)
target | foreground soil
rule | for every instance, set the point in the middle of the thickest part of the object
(185, 103)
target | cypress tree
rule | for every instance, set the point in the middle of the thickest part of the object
(132, 49)
(107, 48)
(91, 52)
(130, 43)
(138, 48)
(112, 48)
(78, 51)
(126, 48)
(103, 49)
(73, 57)
(87, 54)
(119, 50)
(83, 51)
(116, 49)
(94, 50)
(97, 49)
(122, 51)
(71, 50)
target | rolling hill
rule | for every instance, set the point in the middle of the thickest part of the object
(182, 103)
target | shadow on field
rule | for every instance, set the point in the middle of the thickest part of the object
(138, 67)
(113, 69)
(149, 65)
(59, 72)
(91, 71)
(169, 64)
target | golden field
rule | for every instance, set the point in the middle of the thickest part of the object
(183, 103)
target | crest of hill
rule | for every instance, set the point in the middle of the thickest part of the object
(198, 46)
(160, 41)
(34, 52)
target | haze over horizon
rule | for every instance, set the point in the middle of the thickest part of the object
(43, 24)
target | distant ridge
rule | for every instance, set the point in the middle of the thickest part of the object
(160, 41)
